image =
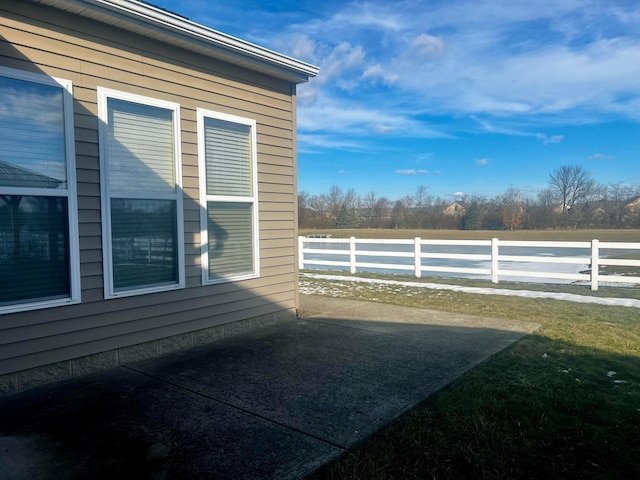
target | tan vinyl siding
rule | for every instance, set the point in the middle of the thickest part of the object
(90, 54)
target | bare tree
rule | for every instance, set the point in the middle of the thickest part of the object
(398, 214)
(320, 215)
(381, 213)
(369, 203)
(335, 200)
(416, 207)
(572, 184)
(616, 198)
(303, 199)
(545, 208)
(572, 198)
(351, 199)
(376, 210)
(304, 213)
(512, 208)
(422, 198)
(319, 204)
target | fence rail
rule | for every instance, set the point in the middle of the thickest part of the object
(421, 255)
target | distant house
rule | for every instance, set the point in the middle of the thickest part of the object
(561, 209)
(631, 212)
(455, 209)
(599, 213)
(147, 186)
(632, 207)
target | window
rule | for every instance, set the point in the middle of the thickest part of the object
(228, 197)
(39, 257)
(142, 197)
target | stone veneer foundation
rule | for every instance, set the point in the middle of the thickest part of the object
(23, 380)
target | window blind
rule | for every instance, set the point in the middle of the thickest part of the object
(140, 148)
(230, 230)
(144, 242)
(34, 246)
(228, 158)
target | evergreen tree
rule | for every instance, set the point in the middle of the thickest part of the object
(473, 218)
(347, 217)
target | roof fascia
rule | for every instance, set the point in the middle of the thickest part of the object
(166, 26)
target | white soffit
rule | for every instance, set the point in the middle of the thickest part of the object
(145, 19)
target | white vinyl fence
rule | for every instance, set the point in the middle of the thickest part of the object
(493, 258)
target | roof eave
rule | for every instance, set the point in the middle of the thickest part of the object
(145, 19)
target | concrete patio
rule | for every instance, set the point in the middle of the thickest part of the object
(278, 402)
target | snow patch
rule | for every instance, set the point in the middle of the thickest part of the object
(570, 297)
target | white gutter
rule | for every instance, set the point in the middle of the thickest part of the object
(170, 25)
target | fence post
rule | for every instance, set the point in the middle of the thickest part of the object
(416, 253)
(595, 264)
(494, 260)
(352, 254)
(300, 253)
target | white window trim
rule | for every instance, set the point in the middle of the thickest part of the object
(105, 195)
(204, 198)
(70, 192)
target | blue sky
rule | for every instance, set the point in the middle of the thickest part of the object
(462, 96)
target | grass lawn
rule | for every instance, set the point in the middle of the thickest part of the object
(625, 291)
(583, 235)
(561, 403)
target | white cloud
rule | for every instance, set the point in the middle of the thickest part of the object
(428, 46)
(310, 143)
(301, 46)
(343, 59)
(411, 171)
(492, 127)
(368, 14)
(459, 194)
(341, 117)
(483, 71)
(599, 156)
(518, 67)
(481, 162)
(383, 129)
(306, 95)
(375, 72)
(547, 140)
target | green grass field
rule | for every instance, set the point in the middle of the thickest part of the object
(561, 403)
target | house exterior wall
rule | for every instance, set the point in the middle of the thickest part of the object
(68, 340)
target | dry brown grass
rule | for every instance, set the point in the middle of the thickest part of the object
(604, 235)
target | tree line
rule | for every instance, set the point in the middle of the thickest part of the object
(572, 199)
